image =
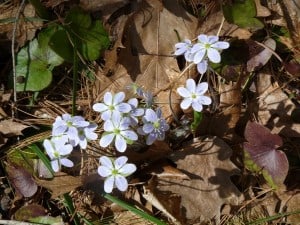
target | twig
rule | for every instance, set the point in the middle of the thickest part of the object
(13, 52)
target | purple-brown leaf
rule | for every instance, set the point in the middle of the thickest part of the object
(22, 180)
(262, 146)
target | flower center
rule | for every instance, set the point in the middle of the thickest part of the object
(111, 107)
(114, 172)
(56, 154)
(156, 125)
(117, 131)
(194, 96)
(80, 132)
(69, 124)
(207, 46)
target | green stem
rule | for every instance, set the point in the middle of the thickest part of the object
(70, 207)
(75, 77)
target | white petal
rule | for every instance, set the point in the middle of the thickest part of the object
(150, 115)
(118, 98)
(109, 184)
(108, 98)
(180, 51)
(128, 169)
(191, 85)
(103, 171)
(213, 55)
(65, 149)
(100, 107)
(54, 165)
(121, 183)
(148, 128)
(106, 115)
(66, 162)
(138, 112)
(183, 92)
(201, 88)
(204, 100)
(220, 45)
(129, 134)
(105, 161)
(120, 161)
(202, 67)
(66, 117)
(133, 102)
(120, 143)
(198, 57)
(186, 103)
(72, 133)
(59, 130)
(106, 139)
(189, 57)
(108, 126)
(83, 143)
(49, 148)
(197, 47)
(212, 39)
(203, 38)
(91, 135)
(197, 106)
(123, 107)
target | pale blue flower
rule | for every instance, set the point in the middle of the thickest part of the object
(194, 95)
(184, 48)
(117, 129)
(58, 150)
(134, 112)
(154, 126)
(115, 172)
(112, 104)
(208, 46)
(86, 134)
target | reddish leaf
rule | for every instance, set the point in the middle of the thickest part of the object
(262, 146)
(22, 180)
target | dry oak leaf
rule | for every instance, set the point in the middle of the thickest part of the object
(149, 40)
(208, 165)
(11, 128)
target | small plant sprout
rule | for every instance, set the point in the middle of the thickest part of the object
(154, 126)
(194, 95)
(117, 129)
(113, 104)
(115, 172)
(57, 149)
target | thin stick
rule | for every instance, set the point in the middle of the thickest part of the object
(221, 25)
(13, 52)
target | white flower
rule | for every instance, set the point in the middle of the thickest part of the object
(113, 104)
(134, 112)
(85, 134)
(194, 95)
(208, 46)
(154, 126)
(184, 48)
(58, 150)
(117, 129)
(115, 172)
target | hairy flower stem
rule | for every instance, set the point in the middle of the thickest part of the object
(75, 77)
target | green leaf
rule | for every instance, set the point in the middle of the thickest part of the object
(242, 13)
(60, 43)
(197, 121)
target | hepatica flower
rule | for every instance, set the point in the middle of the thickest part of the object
(117, 129)
(112, 104)
(194, 95)
(134, 112)
(57, 149)
(184, 48)
(115, 172)
(154, 126)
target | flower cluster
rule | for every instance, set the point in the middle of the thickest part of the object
(68, 132)
(206, 49)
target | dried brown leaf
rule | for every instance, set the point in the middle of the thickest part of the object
(10, 128)
(62, 183)
(208, 165)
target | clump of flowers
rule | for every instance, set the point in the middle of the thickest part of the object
(206, 49)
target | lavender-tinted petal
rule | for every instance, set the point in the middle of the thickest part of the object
(120, 161)
(150, 115)
(55, 165)
(197, 106)
(109, 184)
(106, 139)
(198, 57)
(105, 161)
(212, 39)
(121, 183)
(197, 47)
(100, 107)
(213, 55)
(127, 169)
(183, 92)
(220, 45)
(108, 126)
(204, 100)
(180, 51)
(203, 38)
(66, 117)
(138, 112)
(118, 98)
(66, 162)
(83, 143)
(180, 45)
(202, 67)
(104, 171)
(65, 149)
(133, 102)
(89, 134)
(106, 115)
(59, 130)
(49, 148)
(150, 139)
(191, 85)
(202, 88)
(148, 128)
(186, 103)
(129, 134)
(120, 143)
(123, 107)
(108, 98)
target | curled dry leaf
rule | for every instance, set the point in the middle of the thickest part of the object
(208, 165)
(22, 180)
(11, 128)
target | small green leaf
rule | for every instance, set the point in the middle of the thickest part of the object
(197, 121)
(60, 43)
(242, 13)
